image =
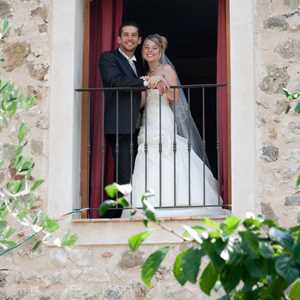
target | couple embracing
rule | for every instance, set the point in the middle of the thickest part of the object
(189, 180)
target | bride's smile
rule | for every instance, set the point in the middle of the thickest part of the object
(151, 52)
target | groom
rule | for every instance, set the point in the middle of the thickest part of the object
(119, 68)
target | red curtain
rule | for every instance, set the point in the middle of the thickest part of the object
(105, 20)
(223, 103)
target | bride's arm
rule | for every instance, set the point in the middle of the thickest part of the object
(172, 94)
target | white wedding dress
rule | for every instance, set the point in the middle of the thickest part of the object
(164, 198)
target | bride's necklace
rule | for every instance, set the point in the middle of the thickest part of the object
(154, 69)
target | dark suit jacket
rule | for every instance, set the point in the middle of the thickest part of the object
(116, 72)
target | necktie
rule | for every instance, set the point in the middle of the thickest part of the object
(132, 64)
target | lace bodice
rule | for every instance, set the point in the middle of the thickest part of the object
(152, 113)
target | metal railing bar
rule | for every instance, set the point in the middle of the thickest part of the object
(204, 142)
(174, 146)
(189, 146)
(117, 137)
(131, 141)
(103, 154)
(191, 86)
(160, 154)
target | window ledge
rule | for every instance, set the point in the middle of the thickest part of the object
(93, 232)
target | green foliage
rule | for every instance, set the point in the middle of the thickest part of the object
(112, 191)
(4, 28)
(135, 241)
(294, 97)
(69, 240)
(152, 264)
(253, 258)
(21, 222)
(12, 101)
(295, 290)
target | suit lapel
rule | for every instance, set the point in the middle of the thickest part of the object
(124, 63)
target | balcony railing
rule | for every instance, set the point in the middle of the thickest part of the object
(200, 97)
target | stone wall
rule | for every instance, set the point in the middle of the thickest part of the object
(278, 134)
(89, 273)
(26, 62)
(111, 272)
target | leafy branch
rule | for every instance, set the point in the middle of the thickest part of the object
(254, 258)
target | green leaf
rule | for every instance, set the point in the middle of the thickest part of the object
(283, 237)
(7, 244)
(266, 250)
(1, 163)
(211, 223)
(36, 184)
(152, 264)
(208, 279)
(123, 202)
(187, 264)
(296, 253)
(16, 186)
(230, 277)
(5, 27)
(3, 225)
(250, 243)
(194, 234)
(230, 224)
(69, 240)
(25, 167)
(145, 221)
(286, 268)
(286, 92)
(135, 241)
(297, 108)
(111, 190)
(253, 223)
(22, 133)
(50, 225)
(8, 232)
(295, 290)
(255, 267)
(105, 206)
(213, 250)
(149, 210)
(298, 181)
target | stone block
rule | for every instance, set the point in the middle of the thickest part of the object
(293, 4)
(5, 9)
(292, 200)
(41, 11)
(277, 78)
(268, 211)
(37, 71)
(131, 259)
(294, 127)
(36, 147)
(277, 22)
(15, 54)
(270, 153)
(289, 49)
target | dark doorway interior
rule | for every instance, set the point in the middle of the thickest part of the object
(191, 29)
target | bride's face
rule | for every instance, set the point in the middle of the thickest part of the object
(151, 51)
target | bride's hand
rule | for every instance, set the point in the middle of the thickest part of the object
(153, 81)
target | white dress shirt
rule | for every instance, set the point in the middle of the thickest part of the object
(130, 60)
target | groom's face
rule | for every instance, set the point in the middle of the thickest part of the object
(129, 39)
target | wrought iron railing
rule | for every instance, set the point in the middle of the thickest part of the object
(196, 95)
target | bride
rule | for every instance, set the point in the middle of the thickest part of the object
(173, 173)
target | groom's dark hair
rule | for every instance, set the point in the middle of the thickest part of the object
(129, 23)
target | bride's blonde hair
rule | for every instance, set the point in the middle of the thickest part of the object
(160, 41)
